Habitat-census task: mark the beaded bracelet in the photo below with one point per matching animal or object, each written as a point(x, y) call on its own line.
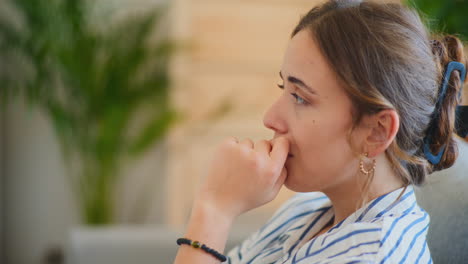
point(196, 244)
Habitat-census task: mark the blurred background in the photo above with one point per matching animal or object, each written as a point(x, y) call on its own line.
point(111, 109)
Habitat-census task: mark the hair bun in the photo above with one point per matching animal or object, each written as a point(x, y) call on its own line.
point(448, 49)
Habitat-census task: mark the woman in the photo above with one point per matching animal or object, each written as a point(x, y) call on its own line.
point(364, 116)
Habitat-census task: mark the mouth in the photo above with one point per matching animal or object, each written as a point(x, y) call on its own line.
point(290, 155)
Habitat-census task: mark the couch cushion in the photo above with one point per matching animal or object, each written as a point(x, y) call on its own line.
point(445, 198)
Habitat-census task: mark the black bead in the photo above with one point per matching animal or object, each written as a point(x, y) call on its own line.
point(203, 247)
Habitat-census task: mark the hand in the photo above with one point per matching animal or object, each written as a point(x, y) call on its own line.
point(244, 175)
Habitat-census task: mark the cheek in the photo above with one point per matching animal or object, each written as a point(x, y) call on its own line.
point(322, 154)
point(324, 147)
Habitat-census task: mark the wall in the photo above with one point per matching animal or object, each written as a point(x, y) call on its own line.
point(234, 54)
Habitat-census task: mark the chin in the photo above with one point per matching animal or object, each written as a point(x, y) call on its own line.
point(295, 186)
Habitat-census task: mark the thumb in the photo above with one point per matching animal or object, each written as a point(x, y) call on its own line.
point(281, 179)
point(279, 152)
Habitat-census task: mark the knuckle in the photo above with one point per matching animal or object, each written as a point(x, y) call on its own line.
point(230, 140)
point(271, 171)
point(245, 150)
point(262, 143)
point(247, 140)
point(254, 163)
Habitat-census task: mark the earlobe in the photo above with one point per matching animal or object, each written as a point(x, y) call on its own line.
point(382, 132)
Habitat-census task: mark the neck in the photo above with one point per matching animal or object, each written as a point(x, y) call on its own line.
point(347, 197)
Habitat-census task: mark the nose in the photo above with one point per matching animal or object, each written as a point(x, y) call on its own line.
point(274, 119)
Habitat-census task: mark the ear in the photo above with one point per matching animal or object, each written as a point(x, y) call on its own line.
point(381, 131)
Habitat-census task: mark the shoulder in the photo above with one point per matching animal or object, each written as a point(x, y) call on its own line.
point(299, 206)
point(288, 220)
point(358, 242)
point(404, 237)
point(398, 239)
point(394, 237)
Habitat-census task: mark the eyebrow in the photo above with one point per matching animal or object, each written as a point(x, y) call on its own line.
point(300, 83)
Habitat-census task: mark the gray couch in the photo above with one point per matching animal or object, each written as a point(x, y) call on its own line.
point(445, 198)
point(128, 245)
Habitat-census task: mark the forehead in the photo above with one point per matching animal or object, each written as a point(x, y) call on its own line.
point(303, 59)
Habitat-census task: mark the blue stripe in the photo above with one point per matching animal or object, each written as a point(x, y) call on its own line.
point(286, 260)
point(252, 259)
point(322, 209)
point(411, 208)
point(276, 250)
point(273, 241)
point(404, 197)
point(239, 251)
point(289, 207)
point(412, 243)
point(355, 246)
point(307, 231)
point(395, 222)
point(360, 255)
point(366, 253)
point(375, 202)
point(263, 252)
point(341, 239)
point(401, 237)
point(335, 227)
point(329, 232)
point(421, 253)
point(287, 222)
point(295, 228)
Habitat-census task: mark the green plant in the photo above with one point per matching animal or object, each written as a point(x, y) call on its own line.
point(92, 78)
point(447, 16)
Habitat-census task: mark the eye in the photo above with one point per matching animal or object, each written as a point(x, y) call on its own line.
point(299, 100)
point(281, 86)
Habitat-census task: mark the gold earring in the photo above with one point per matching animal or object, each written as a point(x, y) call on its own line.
point(361, 165)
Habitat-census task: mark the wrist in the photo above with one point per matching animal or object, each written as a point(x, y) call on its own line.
point(208, 226)
point(207, 210)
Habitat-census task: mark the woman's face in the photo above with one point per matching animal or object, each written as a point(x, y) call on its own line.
point(314, 114)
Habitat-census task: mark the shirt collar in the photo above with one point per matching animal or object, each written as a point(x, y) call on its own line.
point(383, 205)
point(397, 202)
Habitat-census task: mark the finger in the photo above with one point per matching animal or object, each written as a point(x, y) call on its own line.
point(247, 142)
point(281, 179)
point(232, 140)
point(263, 146)
point(279, 151)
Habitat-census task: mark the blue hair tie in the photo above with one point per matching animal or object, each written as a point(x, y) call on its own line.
point(451, 66)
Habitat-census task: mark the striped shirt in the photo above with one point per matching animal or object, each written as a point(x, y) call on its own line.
point(385, 230)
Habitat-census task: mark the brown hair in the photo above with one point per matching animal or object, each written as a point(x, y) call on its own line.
point(383, 55)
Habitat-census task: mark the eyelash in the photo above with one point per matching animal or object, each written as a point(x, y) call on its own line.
point(296, 97)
